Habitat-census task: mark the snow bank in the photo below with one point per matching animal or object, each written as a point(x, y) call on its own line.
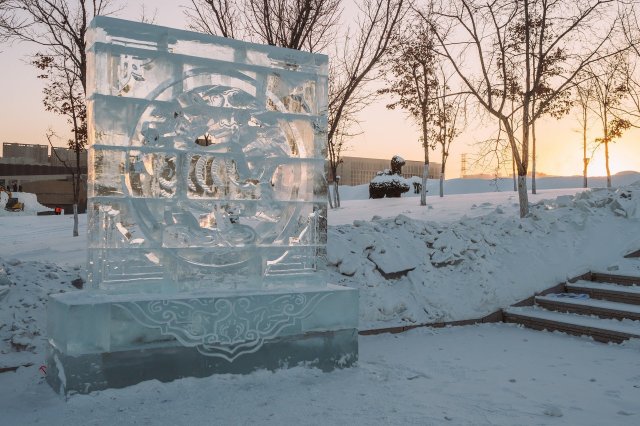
point(24, 289)
point(470, 258)
point(475, 186)
point(31, 204)
point(414, 271)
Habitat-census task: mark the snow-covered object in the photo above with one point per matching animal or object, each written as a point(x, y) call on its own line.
point(480, 186)
point(417, 271)
point(31, 204)
point(27, 285)
point(387, 185)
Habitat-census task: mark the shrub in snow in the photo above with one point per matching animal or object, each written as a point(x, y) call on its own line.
point(390, 186)
point(389, 183)
point(396, 165)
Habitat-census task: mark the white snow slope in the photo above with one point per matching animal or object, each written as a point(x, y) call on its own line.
point(31, 204)
point(463, 257)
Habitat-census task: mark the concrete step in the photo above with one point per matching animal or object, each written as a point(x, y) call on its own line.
point(601, 330)
point(607, 291)
point(605, 277)
point(588, 306)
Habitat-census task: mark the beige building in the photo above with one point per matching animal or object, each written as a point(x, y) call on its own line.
point(25, 153)
point(68, 156)
point(29, 168)
point(358, 170)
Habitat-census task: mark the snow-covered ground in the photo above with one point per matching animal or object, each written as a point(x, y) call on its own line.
point(460, 257)
point(480, 375)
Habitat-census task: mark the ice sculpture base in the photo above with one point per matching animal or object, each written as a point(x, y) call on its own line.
point(99, 340)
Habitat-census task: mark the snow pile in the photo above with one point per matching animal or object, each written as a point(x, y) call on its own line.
point(24, 289)
point(476, 186)
point(415, 271)
point(31, 204)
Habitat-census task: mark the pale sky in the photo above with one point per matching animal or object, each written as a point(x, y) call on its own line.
point(384, 132)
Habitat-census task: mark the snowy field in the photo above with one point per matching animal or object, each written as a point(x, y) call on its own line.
point(460, 257)
point(480, 375)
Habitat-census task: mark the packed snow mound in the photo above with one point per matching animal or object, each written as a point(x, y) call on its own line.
point(414, 271)
point(24, 290)
point(31, 204)
point(476, 186)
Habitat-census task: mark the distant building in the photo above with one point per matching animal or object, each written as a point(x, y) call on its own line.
point(68, 156)
point(358, 170)
point(29, 168)
point(22, 153)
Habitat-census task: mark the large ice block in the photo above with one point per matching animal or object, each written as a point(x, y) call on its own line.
point(206, 190)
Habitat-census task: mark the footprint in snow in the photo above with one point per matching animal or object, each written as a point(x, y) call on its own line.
point(553, 411)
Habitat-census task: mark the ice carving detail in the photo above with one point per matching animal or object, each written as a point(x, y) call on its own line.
point(224, 327)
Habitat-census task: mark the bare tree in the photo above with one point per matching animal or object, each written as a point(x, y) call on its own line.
point(353, 67)
point(584, 99)
point(572, 34)
point(311, 25)
point(609, 91)
point(58, 28)
point(295, 24)
point(412, 66)
point(450, 112)
point(63, 95)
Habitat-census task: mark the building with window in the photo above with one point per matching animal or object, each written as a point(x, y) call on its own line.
point(29, 168)
point(67, 156)
point(25, 153)
point(359, 170)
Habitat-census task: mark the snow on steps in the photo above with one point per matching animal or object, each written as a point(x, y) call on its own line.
point(606, 311)
point(607, 291)
point(602, 330)
point(600, 308)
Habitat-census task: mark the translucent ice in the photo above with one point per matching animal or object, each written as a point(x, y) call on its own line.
point(207, 161)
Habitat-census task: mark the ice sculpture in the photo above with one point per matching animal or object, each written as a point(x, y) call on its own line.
point(207, 214)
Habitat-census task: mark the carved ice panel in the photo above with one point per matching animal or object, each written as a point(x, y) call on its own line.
point(206, 161)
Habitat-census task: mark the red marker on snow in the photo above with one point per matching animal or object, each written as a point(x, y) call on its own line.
point(43, 370)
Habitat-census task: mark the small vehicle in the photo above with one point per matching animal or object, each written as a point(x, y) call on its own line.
point(13, 204)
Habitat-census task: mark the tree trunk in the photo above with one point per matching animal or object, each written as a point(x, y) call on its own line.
point(523, 197)
point(513, 173)
point(533, 157)
point(423, 192)
point(606, 147)
point(584, 151)
point(425, 169)
point(442, 167)
point(606, 159)
point(329, 198)
point(75, 220)
point(336, 194)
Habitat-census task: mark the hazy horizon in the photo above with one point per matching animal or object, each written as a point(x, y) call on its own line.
point(384, 132)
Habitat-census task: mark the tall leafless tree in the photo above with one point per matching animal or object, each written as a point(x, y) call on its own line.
point(354, 66)
point(295, 24)
point(584, 99)
point(609, 91)
point(412, 69)
point(449, 120)
point(58, 29)
point(312, 25)
point(581, 32)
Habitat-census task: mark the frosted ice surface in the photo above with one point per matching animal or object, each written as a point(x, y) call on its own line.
point(206, 161)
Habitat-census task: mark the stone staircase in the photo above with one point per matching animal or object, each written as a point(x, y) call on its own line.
point(603, 306)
